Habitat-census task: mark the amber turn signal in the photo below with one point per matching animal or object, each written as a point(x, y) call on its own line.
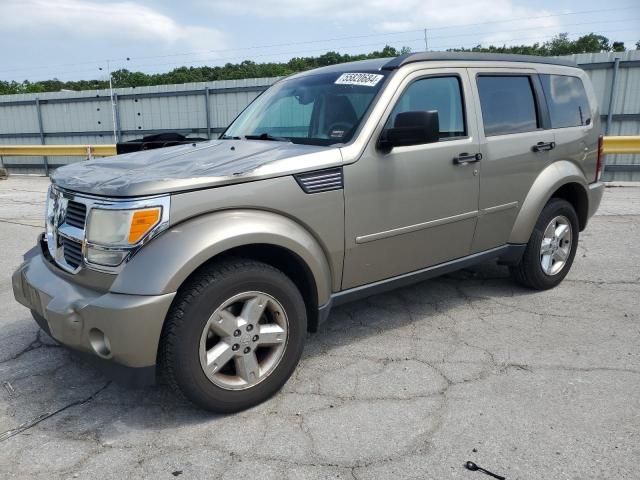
point(142, 222)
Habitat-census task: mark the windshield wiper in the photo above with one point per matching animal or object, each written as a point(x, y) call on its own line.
point(266, 136)
point(229, 137)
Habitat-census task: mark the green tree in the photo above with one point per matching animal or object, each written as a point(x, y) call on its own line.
point(559, 45)
point(617, 47)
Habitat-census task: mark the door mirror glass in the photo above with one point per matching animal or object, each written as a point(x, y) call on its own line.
point(411, 128)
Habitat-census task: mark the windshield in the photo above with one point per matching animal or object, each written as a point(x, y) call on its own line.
point(322, 109)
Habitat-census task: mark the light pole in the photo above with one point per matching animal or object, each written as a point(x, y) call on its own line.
point(113, 102)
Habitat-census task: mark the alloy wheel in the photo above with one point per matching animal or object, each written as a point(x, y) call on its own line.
point(555, 247)
point(244, 340)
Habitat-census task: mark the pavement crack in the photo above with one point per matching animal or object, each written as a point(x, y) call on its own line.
point(41, 418)
point(603, 282)
point(6, 220)
point(353, 473)
point(36, 344)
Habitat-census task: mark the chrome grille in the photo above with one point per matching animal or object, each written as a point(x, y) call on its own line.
point(76, 214)
point(321, 181)
point(72, 252)
point(65, 222)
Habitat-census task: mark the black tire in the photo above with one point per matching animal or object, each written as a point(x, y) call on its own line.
point(529, 272)
point(201, 295)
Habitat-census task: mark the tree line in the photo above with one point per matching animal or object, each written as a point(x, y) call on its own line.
point(558, 45)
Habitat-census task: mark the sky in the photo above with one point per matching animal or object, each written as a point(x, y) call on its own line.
point(74, 39)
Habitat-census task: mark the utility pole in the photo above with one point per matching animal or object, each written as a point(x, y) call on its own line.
point(426, 41)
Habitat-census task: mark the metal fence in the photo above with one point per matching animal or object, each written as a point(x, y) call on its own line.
point(86, 117)
point(204, 109)
point(616, 80)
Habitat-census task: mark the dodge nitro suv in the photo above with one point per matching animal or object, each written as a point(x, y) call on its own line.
point(208, 263)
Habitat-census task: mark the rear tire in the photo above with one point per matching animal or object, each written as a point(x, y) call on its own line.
point(551, 248)
point(234, 335)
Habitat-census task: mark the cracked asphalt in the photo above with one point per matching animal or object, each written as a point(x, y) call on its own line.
point(406, 385)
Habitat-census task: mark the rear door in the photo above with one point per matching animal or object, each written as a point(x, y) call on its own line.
point(516, 147)
point(574, 119)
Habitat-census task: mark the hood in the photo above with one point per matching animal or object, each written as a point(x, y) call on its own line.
point(187, 167)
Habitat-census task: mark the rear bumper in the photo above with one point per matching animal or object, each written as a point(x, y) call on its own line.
point(596, 190)
point(117, 332)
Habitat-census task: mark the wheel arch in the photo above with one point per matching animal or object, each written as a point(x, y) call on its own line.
point(561, 179)
point(577, 196)
point(169, 260)
point(288, 262)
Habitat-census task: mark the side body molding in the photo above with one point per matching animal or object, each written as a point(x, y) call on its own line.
point(550, 179)
point(168, 260)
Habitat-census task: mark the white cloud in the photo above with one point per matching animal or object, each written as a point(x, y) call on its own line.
point(394, 16)
point(307, 8)
point(84, 19)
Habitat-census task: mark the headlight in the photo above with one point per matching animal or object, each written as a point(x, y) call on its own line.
point(121, 227)
point(107, 258)
point(113, 231)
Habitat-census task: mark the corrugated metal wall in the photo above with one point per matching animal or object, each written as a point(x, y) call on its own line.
point(197, 109)
point(204, 109)
point(625, 100)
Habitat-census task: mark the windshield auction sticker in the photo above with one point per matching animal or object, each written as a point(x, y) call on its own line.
point(366, 79)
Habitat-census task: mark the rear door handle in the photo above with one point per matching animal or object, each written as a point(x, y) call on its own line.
point(465, 158)
point(543, 146)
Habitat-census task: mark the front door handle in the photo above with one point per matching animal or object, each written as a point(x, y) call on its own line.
point(543, 146)
point(465, 158)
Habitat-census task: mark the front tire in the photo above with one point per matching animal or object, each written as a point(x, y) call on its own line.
point(551, 248)
point(234, 335)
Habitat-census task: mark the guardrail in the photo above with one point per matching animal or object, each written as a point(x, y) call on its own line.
point(89, 151)
point(610, 145)
point(621, 144)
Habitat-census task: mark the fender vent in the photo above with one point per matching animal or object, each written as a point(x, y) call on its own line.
point(321, 180)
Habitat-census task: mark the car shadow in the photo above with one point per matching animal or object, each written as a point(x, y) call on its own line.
point(159, 407)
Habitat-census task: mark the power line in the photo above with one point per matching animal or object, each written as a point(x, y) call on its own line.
point(400, 42)
point(512, 20)
point(598, 22)
point(519, 39)
point(539, 17)
point(350, 37)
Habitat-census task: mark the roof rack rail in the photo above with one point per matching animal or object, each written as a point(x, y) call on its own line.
point(398, 62)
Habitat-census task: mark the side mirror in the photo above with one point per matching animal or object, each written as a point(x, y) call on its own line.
point(411, 128)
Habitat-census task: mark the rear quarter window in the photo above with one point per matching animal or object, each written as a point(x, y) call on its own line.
point(567, 101)
point(507, 104)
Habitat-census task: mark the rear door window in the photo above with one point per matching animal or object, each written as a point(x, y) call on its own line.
point(508, 104)
point(567, 101)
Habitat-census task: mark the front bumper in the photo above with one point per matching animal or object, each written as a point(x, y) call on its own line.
point(119, 332)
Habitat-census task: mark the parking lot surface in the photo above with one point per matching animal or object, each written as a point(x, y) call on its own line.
point(406, 385)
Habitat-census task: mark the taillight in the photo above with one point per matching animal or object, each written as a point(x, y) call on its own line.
point(600, 159)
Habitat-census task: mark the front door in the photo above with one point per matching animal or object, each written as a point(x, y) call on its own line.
point(415, 206)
